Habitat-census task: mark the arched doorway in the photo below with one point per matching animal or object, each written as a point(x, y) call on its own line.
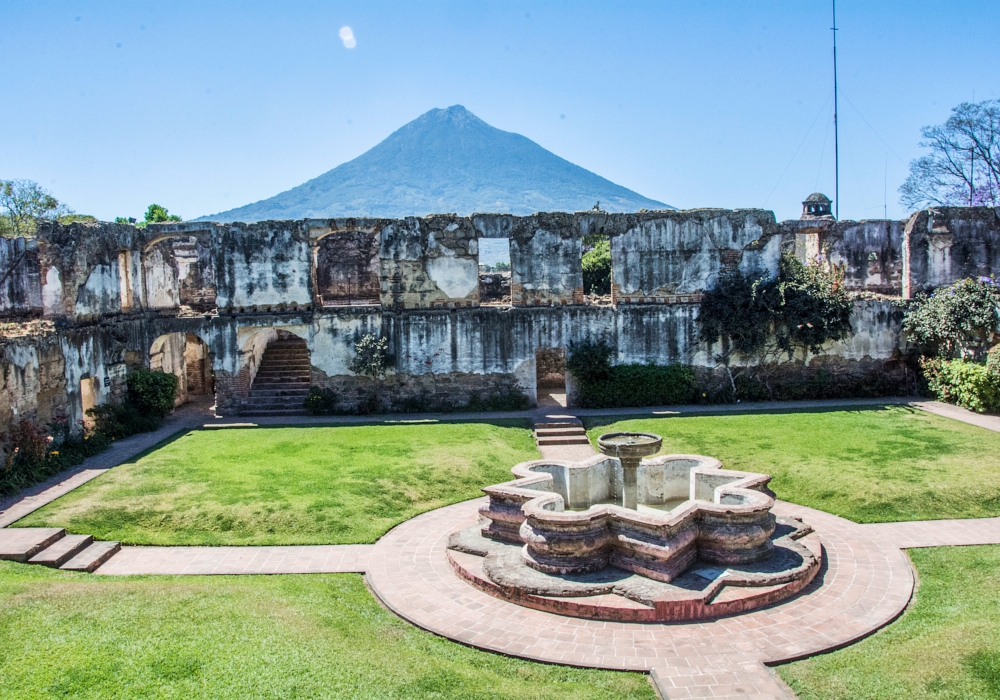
point(187, 357)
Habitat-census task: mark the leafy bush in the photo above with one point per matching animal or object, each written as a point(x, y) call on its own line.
point(590, 360)
point(972, 385)
point(321, 402)
point(506, 399)
point(152, 393)
point(762, 319)
point(956, 321)
point(639, 385)
point(34, 454)
point(371, 357)
point(115, 421)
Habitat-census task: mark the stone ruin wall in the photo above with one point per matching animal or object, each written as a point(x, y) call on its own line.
point(90, 301)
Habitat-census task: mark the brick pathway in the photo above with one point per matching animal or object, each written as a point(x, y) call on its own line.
point(866, 584)
point(937, 533)
point(318, 559)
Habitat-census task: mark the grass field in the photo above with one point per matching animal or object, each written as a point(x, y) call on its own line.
point(869, 466)
point(946, 647)
point(322, 636)
point(318, 485)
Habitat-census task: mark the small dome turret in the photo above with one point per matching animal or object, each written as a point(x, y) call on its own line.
point(817, 206)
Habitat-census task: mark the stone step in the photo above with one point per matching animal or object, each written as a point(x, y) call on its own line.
point(22, 543)
point(280, 386)
point(581, 440)
point(557, 432)
point(264, 392)
point(92, 557)
point(545, 425)
point(62, 551)
point(273, 412)
point(292, 402)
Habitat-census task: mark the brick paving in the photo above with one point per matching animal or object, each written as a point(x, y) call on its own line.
point(304, 559)
point(867, 582)
point(937, 533)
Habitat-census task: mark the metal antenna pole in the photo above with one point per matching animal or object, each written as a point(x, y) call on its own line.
point(836, 131)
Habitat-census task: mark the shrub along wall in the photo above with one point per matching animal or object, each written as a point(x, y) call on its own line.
point(37, 452)
point(971, 385)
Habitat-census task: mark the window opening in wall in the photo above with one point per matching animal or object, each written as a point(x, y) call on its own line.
point(494, 271)
point(125, 278)
point(550, 377)
point(179, 273)
point(89, 393)
point(347, 269)
point(596, 263)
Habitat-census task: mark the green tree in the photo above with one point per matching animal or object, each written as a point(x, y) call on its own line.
point(597, 265)
point(963, 166)
point(23, 203)
point(156, 214)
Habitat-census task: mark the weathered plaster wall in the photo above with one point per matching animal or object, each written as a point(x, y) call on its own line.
point(20, 277)
point(262, 266)
point(947, 244)
point(665, 257)
point(429, 263)
point(868, 253)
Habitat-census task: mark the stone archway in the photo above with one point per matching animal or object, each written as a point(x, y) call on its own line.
point(187, 357)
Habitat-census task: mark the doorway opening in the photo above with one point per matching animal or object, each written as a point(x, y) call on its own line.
point(550, 377)
point(89, 394)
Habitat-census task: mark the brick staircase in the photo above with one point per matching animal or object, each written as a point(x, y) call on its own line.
point(51, 546)
point(568, 431)
point(282, 381)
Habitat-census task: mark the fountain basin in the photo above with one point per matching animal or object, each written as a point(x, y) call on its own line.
point(565, 515)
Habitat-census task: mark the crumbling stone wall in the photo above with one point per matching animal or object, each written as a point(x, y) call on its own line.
point(430, 263)
point(868, 253)
point(102, 284)
point(946, 244)
point(671, 257)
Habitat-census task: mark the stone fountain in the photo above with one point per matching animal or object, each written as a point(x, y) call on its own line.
point(664, 534)
point(629, 448)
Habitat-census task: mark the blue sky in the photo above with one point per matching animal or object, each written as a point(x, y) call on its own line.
point(204, 106)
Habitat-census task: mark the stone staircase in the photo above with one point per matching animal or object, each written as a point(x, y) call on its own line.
point(282, 382)
point(568, 431)
point(51, 546)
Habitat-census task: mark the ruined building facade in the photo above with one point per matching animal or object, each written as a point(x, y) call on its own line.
point(85, 303)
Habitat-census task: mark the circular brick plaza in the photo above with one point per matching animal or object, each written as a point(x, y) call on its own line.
point(865, 583)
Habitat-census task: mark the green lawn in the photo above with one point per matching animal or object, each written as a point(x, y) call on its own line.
point(320, 485)
point(867, 465)
point(946, 647)
point(322, 636)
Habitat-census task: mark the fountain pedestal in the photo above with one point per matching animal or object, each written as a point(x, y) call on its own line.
point(629, 448)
